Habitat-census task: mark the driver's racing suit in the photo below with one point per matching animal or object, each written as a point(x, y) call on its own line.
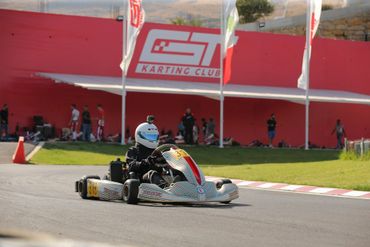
point(140, 161)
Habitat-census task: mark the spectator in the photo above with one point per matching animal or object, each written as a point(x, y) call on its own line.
point(4, 117)
point(101, 123)
point(86, 123)
point(340, 132)
point(210, 128)
point(179, 139)
point(128, 136)
point(271, 129)
point(188, 122)
point(74, 121)
point(204, 127)
point(195, 132)
point(181, 129)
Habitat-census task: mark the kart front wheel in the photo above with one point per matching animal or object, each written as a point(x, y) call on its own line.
point(131, 191)
point(81, 185)
point(221, 182)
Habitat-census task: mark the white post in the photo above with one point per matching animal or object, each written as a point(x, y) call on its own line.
point(222, 48)
point(124, 44)
point(308, 49)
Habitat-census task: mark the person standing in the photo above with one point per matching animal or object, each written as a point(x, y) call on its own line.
point(188, 122)
point(86, 123)
point(210, 128)
point(204, 128)
point(101, 123)
point(4, 120)
point(271, 129)
point(75, 115)
point(340, 132)
point(195, 133)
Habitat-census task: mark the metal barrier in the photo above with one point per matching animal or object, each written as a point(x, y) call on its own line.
point(360, 147)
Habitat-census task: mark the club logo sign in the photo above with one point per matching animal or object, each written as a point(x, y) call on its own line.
point(179, 53)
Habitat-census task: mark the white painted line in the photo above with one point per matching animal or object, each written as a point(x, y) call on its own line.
point(321, 190)
point(308, 193)
point(245, 183)
point(315, 191)
point(355, 193)
point(35, 150)
point(212, 178)
point(292, 187)
point(267, 185)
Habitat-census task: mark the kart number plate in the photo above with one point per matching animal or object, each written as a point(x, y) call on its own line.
point(92, 189)
point(180, 154)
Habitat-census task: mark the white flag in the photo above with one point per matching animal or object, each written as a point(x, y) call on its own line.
point(231, 20)
point(314, 12)
point(135, 21)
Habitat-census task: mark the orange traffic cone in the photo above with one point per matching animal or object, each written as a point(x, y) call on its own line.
point(19, 156)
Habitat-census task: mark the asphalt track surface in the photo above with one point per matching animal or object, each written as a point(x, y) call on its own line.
point(42, 199)
point(8, 148)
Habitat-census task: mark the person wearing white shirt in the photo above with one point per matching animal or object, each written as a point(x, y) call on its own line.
point(74, 121)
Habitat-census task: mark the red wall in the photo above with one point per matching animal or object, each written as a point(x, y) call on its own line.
point(33, 42)
point(275, 60)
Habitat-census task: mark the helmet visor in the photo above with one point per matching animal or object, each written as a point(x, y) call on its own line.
point(149, 136)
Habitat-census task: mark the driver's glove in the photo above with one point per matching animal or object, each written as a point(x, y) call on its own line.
point(160, 160)
point(151, 160)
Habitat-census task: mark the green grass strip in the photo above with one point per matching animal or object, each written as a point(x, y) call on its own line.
point(294, 166)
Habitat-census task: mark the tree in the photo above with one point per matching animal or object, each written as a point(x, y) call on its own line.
point(252, 10)
point(195, 22)
point(178, 21)
point(326, 7)
point(190, 22)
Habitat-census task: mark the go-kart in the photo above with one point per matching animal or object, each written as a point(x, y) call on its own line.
point(185, 183)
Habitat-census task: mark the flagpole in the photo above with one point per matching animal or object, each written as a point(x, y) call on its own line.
point(222, 48)
point(124, 44)
point(308, 49)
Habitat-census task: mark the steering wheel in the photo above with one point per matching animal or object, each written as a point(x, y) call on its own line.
point(163, 148)
point(157, 153)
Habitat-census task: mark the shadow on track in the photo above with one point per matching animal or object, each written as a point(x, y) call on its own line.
point(197, 205)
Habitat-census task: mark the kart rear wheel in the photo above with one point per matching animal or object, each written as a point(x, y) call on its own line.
point(131, 191)
point(82, 185)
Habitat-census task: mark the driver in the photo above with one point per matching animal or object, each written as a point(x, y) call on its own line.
point(139, 158)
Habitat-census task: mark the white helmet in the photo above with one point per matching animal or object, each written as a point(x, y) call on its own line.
point(147, 135)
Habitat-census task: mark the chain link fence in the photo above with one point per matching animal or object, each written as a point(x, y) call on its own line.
point(360, 147)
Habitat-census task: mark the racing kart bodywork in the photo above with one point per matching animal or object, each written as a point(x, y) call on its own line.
point(192, 186)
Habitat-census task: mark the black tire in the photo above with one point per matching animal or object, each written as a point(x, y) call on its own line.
point(82, 185)
point(131, 191)
point(227, 181)
point(116, 171)
point(221, 182)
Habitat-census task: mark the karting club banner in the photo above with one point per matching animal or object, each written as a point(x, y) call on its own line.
point(178, 53)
